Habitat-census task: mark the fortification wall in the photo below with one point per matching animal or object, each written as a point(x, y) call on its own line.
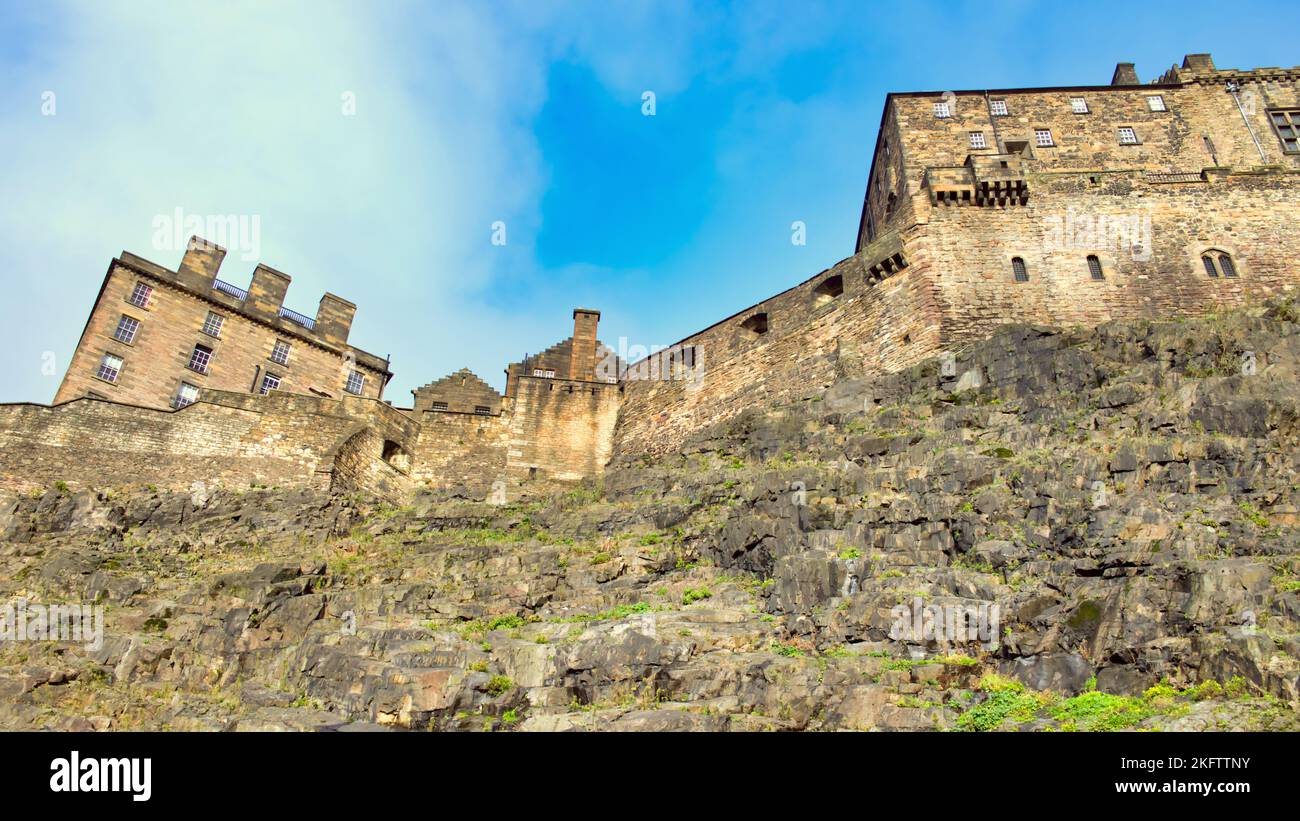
point(461, 450)
point(226, 439)
point(561, 429)
point(869, 329)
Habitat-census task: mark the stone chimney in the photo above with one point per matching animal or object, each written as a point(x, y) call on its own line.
point(1125, 75)
point(200, 264)
point(582, 352)
point(334, 318)
point(1198, 62)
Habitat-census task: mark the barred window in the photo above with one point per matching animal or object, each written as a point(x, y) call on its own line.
point(1156, 103)
point(977, 140)
point(212, 325)
point(126, 329)
point(1094, 267)
point(1128, 136)
point(942, 110)
point(356, 382)
point(141, 295)
point(280, 352)
point(270, 382)
point(1287, 126)
point(1225, 264)
point(439, 406)
point(109, 368)
point(1210, 270)
point(187, 395)
point(1018, 269)
point(998, 107)
point(1078, 105)
point(482, 410)
point(200, 359)
point(1043, 137)
point(545, 374)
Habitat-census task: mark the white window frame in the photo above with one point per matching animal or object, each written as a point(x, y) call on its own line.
point(134, 329)
point(360, 380)
point(1043, 138)
point(200, 353)
point(977, 140)
point(1156, 102)
point(141, 295)
point(280, 345)
point(212, 324)
point(270, 382)
point(1079, 105)
point(108, 372)
point(1128, 136)
point(184, 397)
point(942, 110)
point(999, 108)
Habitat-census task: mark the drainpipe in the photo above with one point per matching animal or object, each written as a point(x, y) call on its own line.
point(1233, 88)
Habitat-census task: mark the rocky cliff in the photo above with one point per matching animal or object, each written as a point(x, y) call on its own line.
point(1112, 513)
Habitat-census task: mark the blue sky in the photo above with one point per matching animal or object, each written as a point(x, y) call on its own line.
point(528, 114)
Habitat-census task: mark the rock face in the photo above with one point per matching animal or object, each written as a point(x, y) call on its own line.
point(1076, 530)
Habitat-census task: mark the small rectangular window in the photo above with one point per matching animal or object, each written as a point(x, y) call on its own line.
point(1128, 136)
point(187, 395)
point(439, 406)
point(1156, 103)
point(356, 382)
point(1043, 138)
point(1287, 126)
point(482, 410)
point(212, 325)
point(942, 110)
point(1094, 268)
point(1078, 105)
point(109, 368)
point(998, 107)
point(977, 140)
point(1018, 270)
point(544, 374)
point(140, 295)
point(126, 328)
point(280, 352)
point(200, 358)
point(270, 382)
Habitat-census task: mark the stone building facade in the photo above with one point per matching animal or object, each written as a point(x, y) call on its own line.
point(1059, 206)
point(159, 338)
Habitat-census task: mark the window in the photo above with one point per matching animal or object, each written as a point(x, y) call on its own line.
point(942, 110)
point(482, 410)
point(200, 359)
point(270, 382)
point(1094, 267)
point(1043, 137)
point(977, 140)
point(1208, 262)
point(126, 328)
point(1156, 103)
point(756, 324)
point(1287, 126)
point(1225, 264)
point(141, 295)
point(439, 406)
point(212, 325)
point(187, 395)
point(1128, 136)
point(544, 374)
point(826, 290)
point(356, 382)
point(1078, 105)
point(889, 205)
point(1018, 270)
point(998, 107)
point(280, 352)
point(109, 368)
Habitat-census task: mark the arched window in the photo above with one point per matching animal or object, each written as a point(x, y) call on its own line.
point(756, 324)
point(828, 289)
point(1018, 269)
point(1218, 263)
point(1225, 265)
point(1094, 267)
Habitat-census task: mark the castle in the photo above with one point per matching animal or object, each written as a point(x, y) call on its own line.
point(1061, 206)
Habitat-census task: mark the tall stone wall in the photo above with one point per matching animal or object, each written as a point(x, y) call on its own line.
point(560, 428)
point(461, 450)
point(226, 439)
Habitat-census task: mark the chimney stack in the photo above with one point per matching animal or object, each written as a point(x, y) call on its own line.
point(1125, 75)
point(582, 352)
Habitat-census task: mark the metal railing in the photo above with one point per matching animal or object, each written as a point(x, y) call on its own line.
point(293, 316)
point(226, 288)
